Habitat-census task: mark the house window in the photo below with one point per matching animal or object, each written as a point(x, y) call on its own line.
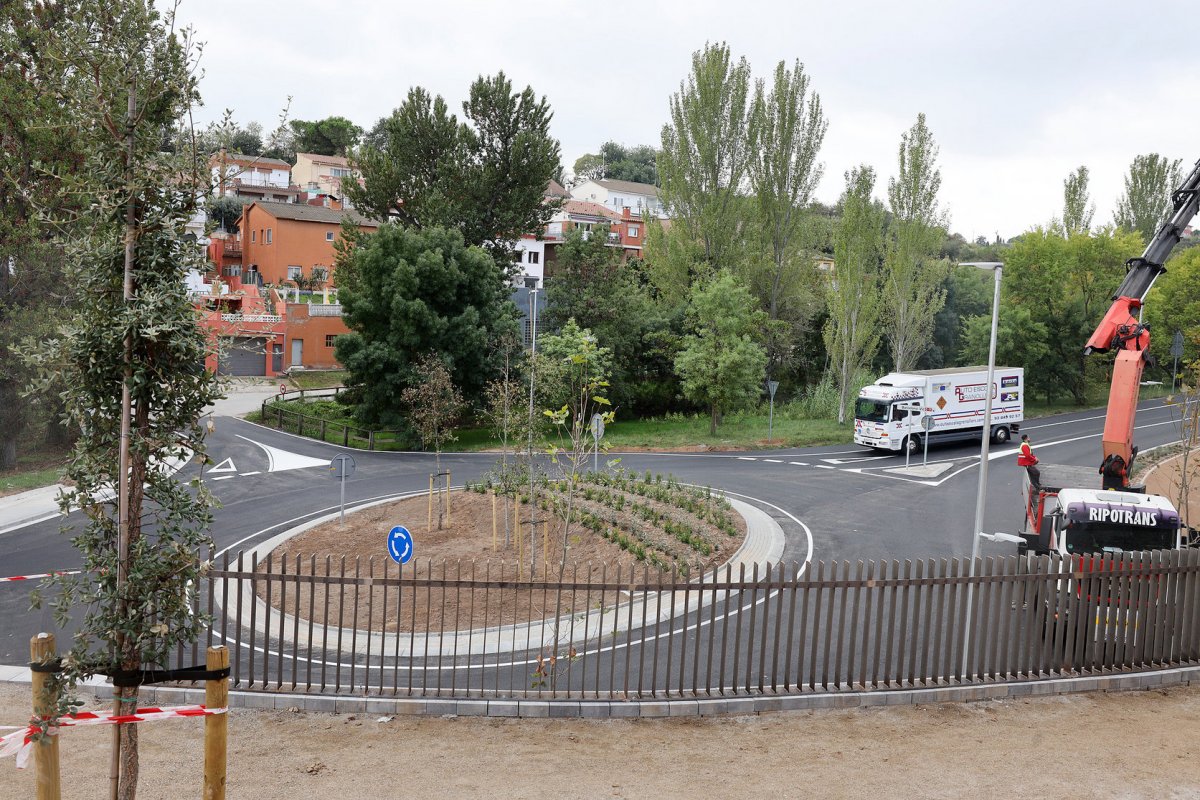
point(533, 257)
point(339, 172)
point(633, 231)
point(268, 239)
point(518, 256)
point(320, 274)
point(329, 236)
point(253, 236)
point(294, 272)
point(330, 339)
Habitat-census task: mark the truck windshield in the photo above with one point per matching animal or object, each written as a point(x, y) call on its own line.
point(1102, 537)
point(871, 410)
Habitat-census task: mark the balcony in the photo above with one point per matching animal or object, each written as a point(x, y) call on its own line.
point(323, 310)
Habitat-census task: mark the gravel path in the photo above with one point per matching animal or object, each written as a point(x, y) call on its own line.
point(1121, 745)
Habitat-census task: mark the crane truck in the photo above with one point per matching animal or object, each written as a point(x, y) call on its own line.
point(1085, 510)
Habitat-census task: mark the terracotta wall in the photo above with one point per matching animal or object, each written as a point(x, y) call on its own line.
point(293, 243)
point(313, 332)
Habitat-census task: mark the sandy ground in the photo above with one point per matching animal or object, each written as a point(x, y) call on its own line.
point(1165, 479)
point(1122, 745)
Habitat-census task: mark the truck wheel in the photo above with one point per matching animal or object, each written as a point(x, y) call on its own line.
point(913, 444)
point(999, 435)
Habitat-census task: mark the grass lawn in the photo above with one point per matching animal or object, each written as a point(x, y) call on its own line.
point(35, 469)
point(319, 379)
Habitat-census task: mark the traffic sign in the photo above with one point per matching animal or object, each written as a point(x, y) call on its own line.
point(400, 544)
point(597, 426)
point(1177, 345)
point(342, 466)
point(771, 387)
point(927, 422)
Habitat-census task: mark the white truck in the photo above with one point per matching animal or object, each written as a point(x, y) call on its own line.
point(900, 409)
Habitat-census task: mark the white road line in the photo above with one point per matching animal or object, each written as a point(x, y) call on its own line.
point(799, 463)
point(746, 458)
point(223, 478)
point(772, 460)
point(823, 466)
point(256, 472)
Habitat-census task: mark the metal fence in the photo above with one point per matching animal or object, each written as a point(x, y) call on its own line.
point(486, 630)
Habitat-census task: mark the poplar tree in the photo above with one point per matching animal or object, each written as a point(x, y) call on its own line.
point(1148, 186)
point(133, 353)
point(852, 334)
point(705, 151)
point(787, 128)
point(912, 275)
point(1078, 209)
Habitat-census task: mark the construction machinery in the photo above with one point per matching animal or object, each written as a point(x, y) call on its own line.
point(1078, 510)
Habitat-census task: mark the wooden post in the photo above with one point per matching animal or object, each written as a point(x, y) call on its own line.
point(495, 527)
point(429, 521)
point(45, 752)
point(216, 727)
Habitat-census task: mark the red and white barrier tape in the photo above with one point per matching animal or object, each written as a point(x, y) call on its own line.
point(12, 578)
point(21, 740)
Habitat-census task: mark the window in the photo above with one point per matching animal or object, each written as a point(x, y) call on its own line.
point(320, 274)
point(329, 236)
point(633, 231)
point(268, 239)
point(330, 339)
point(295, 272)
point(533, 258)
point(253, 236)
point(518, 256)
point(339, 172)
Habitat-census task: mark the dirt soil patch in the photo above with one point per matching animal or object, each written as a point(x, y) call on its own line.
point(473, 545)
point(1166, 479)
point(1138, 745)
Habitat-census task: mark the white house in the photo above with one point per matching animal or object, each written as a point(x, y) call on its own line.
point(639, 198)
point(530, 257)
point(254, 177)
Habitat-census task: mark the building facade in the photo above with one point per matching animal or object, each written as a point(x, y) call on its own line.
point(642, 199)
point(323, 174)
point(286, 242)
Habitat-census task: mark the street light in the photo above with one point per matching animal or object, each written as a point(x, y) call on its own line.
point(531, 284)
point(997, 268)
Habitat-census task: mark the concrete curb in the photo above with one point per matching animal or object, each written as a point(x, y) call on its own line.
point(651, 707)
point(764, 543)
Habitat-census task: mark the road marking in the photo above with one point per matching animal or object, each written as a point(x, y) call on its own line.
point(224, 466)
point(224, 477)
point(772, 460)
point(799, 463)
point(746, 458)
point(282, 460)
point(247, 474)
point(854, 460)
point(825, 466)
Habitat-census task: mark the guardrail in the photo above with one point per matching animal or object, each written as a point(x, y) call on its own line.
point(286, 419)
point(325, 624)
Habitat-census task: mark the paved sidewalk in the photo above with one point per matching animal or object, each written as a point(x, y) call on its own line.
point(26, 508)
point(243, 395)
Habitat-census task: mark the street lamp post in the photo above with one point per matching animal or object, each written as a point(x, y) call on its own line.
point(997, 269)
point(531, 283)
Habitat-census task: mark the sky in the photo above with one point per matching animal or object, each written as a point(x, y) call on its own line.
point(1016, 94)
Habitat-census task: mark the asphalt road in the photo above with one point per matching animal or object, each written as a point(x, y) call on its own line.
point(845, 497)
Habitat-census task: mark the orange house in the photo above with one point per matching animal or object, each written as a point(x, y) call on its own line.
point(286, 241)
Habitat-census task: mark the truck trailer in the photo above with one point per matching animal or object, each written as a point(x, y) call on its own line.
point(900, 409)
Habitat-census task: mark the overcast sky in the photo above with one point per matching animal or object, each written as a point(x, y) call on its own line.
point(1017, 94)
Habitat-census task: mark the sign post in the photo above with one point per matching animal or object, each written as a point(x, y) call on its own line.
point(342, 467)
point(927, 426)
point(597, 434)
point(911, 406)
point(771, 387)
point(400, 544)
point(1176, 351)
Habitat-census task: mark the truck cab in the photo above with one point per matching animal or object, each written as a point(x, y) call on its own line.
point(1062, 518)
point(886, 417)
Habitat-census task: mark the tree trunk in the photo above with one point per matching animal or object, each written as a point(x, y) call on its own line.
point(712, 425)
point(8, 452)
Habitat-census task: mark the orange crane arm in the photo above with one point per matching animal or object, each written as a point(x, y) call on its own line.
point(1121, 330)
